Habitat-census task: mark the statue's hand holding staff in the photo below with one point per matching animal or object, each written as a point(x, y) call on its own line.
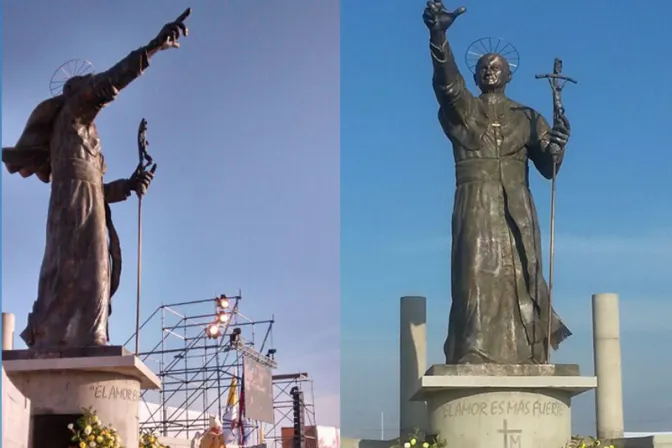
point(140, 180)
point(170, 34)
point(559, 135)
point(437, 18)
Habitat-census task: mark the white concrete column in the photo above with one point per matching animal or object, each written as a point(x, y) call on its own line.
point(8, 327)
point(413, 363)
point(607, 358)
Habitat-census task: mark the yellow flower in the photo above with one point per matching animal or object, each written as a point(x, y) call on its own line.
point(99, 439)
point(413, 441)
point(87, 430)
point(82, 444)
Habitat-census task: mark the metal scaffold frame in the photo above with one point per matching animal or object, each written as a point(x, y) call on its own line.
point(197, 370)
point(283, 405)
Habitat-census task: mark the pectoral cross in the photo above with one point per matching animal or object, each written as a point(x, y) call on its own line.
point(511, 436)
point(497, 130)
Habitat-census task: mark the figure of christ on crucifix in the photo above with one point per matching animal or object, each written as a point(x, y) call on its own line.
point(500, 300)
point(81, 267)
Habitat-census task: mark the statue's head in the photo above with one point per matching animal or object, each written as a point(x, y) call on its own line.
point(75, 84)
point(492, 73)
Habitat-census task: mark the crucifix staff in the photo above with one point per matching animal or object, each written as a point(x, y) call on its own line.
point(557, 82)
point(145, 160)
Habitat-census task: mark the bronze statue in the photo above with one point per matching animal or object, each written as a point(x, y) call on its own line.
point(81, 270)
point(500, 305)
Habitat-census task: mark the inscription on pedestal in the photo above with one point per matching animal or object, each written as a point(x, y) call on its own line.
point(106, 392)
point(511, 436)
point(537, 408)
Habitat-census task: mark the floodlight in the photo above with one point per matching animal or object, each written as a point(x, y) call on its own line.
point(212, 331)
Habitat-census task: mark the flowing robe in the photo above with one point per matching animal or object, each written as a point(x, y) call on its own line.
point(499, 296)
point(213, 439)
point(60, 144)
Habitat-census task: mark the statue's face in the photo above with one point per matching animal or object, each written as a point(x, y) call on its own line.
point(75, 84)
point(492, 73)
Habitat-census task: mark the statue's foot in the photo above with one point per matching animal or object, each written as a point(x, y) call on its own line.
point(100, 342)
point(472, 358)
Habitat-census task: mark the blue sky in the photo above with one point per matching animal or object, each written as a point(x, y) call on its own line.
point(614, 202)
point(244, 124)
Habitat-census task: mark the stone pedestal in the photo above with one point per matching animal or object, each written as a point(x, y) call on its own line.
point(61, 383)
point(15, 415)
point(510, 406)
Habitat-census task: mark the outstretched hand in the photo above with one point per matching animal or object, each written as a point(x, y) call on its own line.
point(170, 34)
point(437, 18)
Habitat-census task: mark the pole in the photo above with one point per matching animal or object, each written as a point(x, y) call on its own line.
point(551, 253)
point(412, 363)
point(608, 366)
point(144, 161)
point(8, 327)
point(557, 81)
point(139, 273)
point(382, 426)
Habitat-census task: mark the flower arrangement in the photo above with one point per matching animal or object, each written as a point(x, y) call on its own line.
point(588, 442)
point(150, 440)
point(88, 432)
point(418, 439)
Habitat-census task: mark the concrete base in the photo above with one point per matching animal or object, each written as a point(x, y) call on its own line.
point(107, 379)
point(15, 415)
point(510, 406)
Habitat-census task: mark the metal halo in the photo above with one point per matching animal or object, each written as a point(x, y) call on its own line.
point(496, 45)
point(67, 70)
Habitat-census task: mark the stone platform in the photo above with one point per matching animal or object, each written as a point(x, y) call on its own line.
point(510, 406)
point(15, 415)
point(60, 384)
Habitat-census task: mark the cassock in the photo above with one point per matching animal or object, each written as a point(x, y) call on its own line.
point(500, 299)
point(82, 260)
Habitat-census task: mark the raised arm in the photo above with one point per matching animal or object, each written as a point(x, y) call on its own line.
point(449, 86)
point(106, 85)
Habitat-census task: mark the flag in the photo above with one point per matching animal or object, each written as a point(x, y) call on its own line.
point(241, 412)
point(230, 430)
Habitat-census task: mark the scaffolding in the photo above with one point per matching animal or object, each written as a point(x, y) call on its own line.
point(283, 406)
point(197, 369)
